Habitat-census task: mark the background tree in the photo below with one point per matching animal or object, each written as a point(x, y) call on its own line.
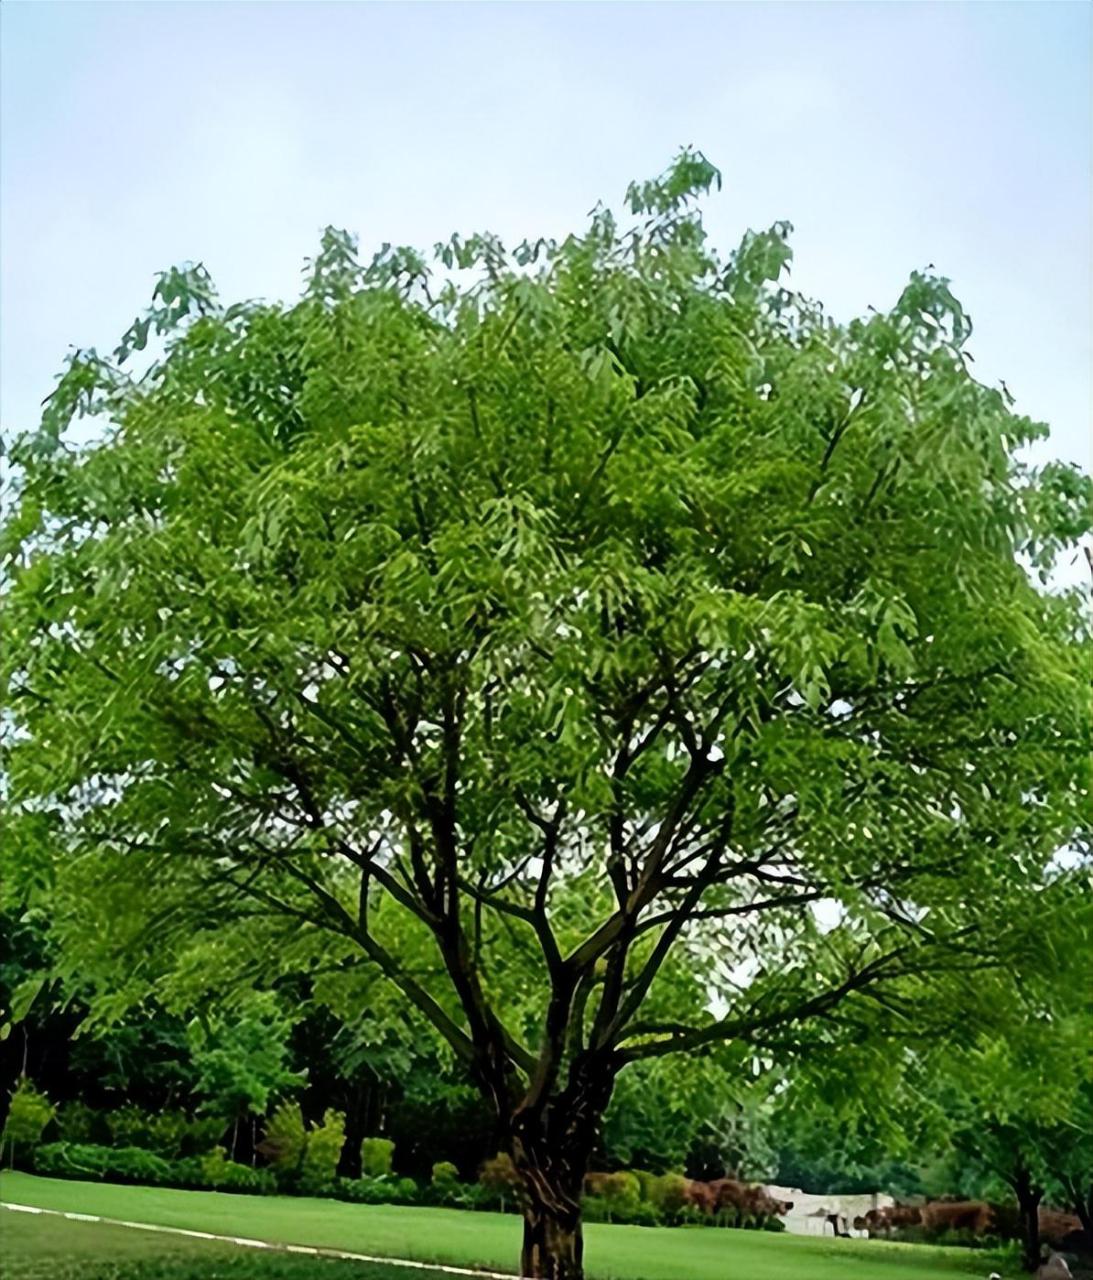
point(995, 1109)
point(547, 638)
point(1017, 1101)
point(240, 1063)
point(28, 1114)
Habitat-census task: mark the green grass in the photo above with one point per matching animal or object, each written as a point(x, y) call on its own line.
point(492, 1240)
point(41, 1248)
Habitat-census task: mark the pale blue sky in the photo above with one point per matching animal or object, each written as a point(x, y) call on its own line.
point(892, 135)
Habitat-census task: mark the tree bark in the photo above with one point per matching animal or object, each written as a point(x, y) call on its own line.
point(1081, 1199)
point(553, 1246)
point(349, 1159)
point(1028, 1204)
point(550, 1146)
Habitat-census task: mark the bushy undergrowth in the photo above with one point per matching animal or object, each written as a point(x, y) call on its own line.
point(212, 1171)
point(637, 1201)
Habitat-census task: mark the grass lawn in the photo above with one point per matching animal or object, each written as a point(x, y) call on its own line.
point(486, 1239)
point(46, 1248)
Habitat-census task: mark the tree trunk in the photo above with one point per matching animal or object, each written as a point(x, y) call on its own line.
point(550, 1146)
point(553, 1244)
point(1028, 1205)
point(1081, 1201)
point(356, 1129)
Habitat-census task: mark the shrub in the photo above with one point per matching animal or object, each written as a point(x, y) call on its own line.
point(115, 1164)
point(692, 1216)
point(445, 1174)
point(642, 1214)
point(77, 1122)
point(407, 1189)
point(200, 1135)
point(646, 1181)
point(472, 1195)
point(129, 1127)
point(174, 1134)
point(303, 1158)
point(169, 1133)
point(222, 1174)
point(499, 1176)
point(364, 1190)
point(377, 1155)
point(321, 1152)
point(617, 1197)
point(285, 1138)
point(593, 1209)
point(71, 1159)
point(136, 1165)
point(668, 1195)
point(377, 1190)
point(29, 1113)
point(620, 1193)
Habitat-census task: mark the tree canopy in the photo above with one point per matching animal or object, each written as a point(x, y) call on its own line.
point(590, 651)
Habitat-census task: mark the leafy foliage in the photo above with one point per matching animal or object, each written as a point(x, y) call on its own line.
point(170, 1133)
point(324, 1145)
point(376, 1156)
point(538, 649)
point(28, 1115)
point(285, 1138)
point(240, 1061)
point(444, 1173)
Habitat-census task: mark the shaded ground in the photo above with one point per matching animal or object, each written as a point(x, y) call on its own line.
point(448, 1236)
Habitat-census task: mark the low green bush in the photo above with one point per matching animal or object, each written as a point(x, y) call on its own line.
point(171, 1134)
point(222, 1174)
point(388, 1190)
point(213, 1171)
point(285, 1139)
point(643, 1214)
point(473, 1195)
point(635, 1213)
point(71, 1159)
point(324, 1146)
point(499, 1179)
point(77, 1122)
point(614, 1197)
point(668, 1194)
point(112, 1164)
point(377, 1156)
point(134, 1164)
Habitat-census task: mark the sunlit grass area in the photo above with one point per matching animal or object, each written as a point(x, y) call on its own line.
point(429, 1235)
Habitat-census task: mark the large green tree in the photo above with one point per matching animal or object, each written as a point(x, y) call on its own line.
point(593, 649)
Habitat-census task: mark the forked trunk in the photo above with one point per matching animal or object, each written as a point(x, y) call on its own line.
point(553, 1245)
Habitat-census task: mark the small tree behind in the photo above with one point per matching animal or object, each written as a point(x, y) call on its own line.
point(28, 1114)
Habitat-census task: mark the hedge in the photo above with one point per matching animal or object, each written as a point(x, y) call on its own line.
point(614, 1197)
point(211, 1172)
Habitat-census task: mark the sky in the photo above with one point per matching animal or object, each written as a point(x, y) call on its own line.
point(138, 135)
